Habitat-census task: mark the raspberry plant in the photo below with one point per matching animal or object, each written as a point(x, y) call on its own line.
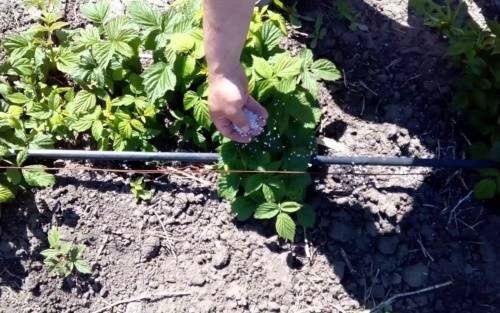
point(139, 82)
point(475, 51)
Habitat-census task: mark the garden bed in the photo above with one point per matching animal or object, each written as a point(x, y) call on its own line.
point(375, 236)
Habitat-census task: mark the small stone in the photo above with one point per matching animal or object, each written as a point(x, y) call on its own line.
point(388, 245)
point(221, 258)
point(31, 283)
point(197, 279)
point(104, 292)
point(415, 275)
point(150, 248)
point(273, 306)
point(134, 307)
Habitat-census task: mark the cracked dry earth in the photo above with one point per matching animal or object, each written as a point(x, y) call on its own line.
point(376, 235)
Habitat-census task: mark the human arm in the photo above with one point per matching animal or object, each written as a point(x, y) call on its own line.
point(225, 26)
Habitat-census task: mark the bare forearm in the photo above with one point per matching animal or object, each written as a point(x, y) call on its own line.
point(226, 26)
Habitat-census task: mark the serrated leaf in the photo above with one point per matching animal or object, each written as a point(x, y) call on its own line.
point(270, 35)
point(13, 42)
point(96, 12)
point(181, 42)
point(49, 254)
point(13, 176)
point(285, 66)
point(290, 206)
point(268, 193)
point(158, 79)
point(485, 189)
point(83, 102)
point(201, 114)
point(21, 156)
point(17, 98)
point(82, 267)
point(53, 237)
point(36, 176)
point(228, 186)
point(97, 129)
point(253, 183)
point(123, 48)
point(138, 125)
point(266, 210)
point(5, 194)
point(309, 82)
point(82, 124)
point(125, 100)
point(144, 14)
point(262, 68)
point(190, 99)
point(326, 70)
point(285, 226)
point(243, 208)
point(306, 216)
point(103, 53)
point(125, 129)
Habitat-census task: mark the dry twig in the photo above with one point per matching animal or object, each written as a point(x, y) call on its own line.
point(407, 294)
point(156, 296)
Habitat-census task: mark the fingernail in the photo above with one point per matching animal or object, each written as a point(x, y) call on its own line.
point(245, 129)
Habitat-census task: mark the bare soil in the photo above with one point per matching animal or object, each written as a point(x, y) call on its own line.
point(377, 235)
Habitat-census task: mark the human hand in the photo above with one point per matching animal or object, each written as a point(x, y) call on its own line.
point(227, 99)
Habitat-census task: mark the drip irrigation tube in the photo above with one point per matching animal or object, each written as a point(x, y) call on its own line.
point(196, 157)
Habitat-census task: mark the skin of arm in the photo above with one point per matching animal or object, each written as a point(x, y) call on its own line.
point(225, 25)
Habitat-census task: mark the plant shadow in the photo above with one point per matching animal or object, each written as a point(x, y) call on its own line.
point(382, 234)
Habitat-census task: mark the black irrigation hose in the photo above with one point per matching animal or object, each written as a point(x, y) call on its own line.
point(197, 157)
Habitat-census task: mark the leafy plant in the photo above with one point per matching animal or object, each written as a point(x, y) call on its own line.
point(139, 190)
point(63, 257)
point(475, 51)
point(346, 11)
point(139, 82)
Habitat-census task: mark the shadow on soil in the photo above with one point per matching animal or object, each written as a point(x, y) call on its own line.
point(399, 74)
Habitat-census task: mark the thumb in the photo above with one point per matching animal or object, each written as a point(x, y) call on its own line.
point(240, 120)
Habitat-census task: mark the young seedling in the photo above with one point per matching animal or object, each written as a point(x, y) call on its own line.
point(346, 11)
point(139, 190)
point(64, 257)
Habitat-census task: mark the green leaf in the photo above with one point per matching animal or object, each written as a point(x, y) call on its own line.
point(290, 206)
point(5, 194)
point(53, 236)
point(158, 79)
point(201, 114)
point(96, 12)
point(266, 211)
point(36, 176)
point(485, 189)
point(83, 102)
point(253, 183)
point(243, 208)
point(97, 129)
point(125, 100)
point(310, 83)
point(13, 176)
point(82, 124)
point(190, 99)
point(270, 35)
point(67, 61)
point(123, 48)
point(228, 186)
point(285, 66)
point(16, 42)
point(285, 226)
point(144, 14)
point(268, 193)
point(262, 68)
point(17, 98)
point(50, 254)
point(326, 70)
point(306, 216)
point(138, 125)
point(125, 129)
point(103, 53)
point(302, 113)
point(83, 267)
point(181, 42)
